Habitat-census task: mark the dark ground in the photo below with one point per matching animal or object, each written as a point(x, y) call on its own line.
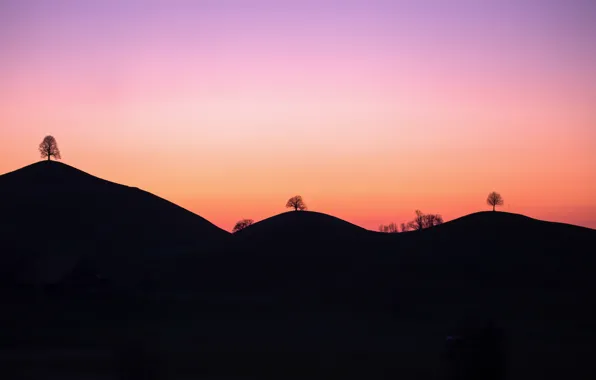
point(53, 335)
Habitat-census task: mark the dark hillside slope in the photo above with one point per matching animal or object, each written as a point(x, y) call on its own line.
point(479, 258)
point(298, 253)
point(394, 296)
point(495, 250)
point(52, 216)
point(301, 228)
point(314, 253)
point(498, 241)
point(535, 278)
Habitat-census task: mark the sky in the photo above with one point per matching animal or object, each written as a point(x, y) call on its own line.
point(368, 109)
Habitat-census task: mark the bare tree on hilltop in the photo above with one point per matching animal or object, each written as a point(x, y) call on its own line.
point(422, 221)
point(431, 220)
point(418, 222)
point(494, 199)
point(242, 224)
point(390, 228)
point(296, 203)
point(49, 148)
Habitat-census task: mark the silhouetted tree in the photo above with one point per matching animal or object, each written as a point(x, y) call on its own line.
point(494, 199)
point(49, 148)
point(418, 222)
point(296, 203)
point(403, 227)
point(388, 228)
point(242, 224)
point(431, 220)
point(422, 221)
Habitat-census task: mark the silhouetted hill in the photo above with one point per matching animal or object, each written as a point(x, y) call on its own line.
point(498, 240)
point(48, 173)
point(489, 259)
point(53, 217)
point(301, 227)
point(488, 236)
point(494, 263)
point(505, 221)
point(293, 252)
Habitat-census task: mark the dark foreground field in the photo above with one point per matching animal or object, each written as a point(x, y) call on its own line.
point(226, 337)
point(187, 342)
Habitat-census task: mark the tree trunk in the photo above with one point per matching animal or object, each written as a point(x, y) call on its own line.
point(494, 208)
point(49, 157)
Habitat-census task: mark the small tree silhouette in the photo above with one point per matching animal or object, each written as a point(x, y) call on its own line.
point(431, 220)
point(403, 227)
point(422, 221)
point(242, 224)
point(494, 199)
point(49, 148)
point(390, 228)
point(419, 221)
point(296, 203)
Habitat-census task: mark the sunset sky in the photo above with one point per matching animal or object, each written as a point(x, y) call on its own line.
point(368, 109)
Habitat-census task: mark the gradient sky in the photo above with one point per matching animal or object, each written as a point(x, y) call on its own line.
point(368, 109)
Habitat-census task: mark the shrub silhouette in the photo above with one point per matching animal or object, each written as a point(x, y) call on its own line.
point(242, 224)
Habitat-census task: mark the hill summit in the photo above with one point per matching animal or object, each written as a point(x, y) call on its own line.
point(299, 226)
point(53, 215)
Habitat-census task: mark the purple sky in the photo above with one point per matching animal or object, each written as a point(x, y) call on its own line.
point(367, 101)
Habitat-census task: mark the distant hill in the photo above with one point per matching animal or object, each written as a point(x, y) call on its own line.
point(496, 236)
point(498, 241)
point(508, 221)
point(313, 253)
point(54, 217)
point(301, 227)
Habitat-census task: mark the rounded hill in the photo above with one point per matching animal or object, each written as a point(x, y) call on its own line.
point(53, 215)
point(505, 224)
point(300, 227)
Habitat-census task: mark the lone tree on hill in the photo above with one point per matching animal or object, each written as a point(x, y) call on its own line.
point(297, 203)
point(494, 199)
point(242, 224)
point(49, 148)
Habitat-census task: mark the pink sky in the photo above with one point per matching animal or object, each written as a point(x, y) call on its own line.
point(368, 109)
